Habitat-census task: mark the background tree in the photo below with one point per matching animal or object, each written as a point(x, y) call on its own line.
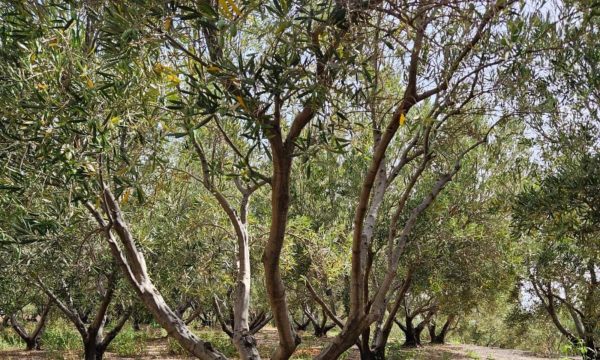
point(559, 215)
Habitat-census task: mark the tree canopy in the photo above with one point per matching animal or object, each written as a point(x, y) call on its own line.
point(352, 165)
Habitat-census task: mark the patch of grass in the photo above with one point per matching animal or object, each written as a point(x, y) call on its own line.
point(472, 355)
point(129, 343)
point(395, 351)
point(60, 355)
point(217, 338)
point(61, 336)
point(9, 340)
point(302, 354)
point(174, 348)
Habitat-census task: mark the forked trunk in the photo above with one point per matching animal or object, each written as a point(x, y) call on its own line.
point(320, 326)
point(377, 353)
point(33, 339)
point(338, 345)
point(32, 342)
point(302, 325)
point(411, 336)
point(440, 338)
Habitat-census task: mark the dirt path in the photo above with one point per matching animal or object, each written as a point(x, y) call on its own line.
point(467, 351)
point(267, 339)
point(440, 352)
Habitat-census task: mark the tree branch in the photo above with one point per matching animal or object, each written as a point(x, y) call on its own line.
point(326, 308)
point(224, 326)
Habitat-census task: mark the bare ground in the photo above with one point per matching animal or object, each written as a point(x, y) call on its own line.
point(467, 351)
point(157, 349)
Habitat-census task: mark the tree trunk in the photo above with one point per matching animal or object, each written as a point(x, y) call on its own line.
point(380, 340)
point(280, 202)
point(302, 324)
point(418, 332)
point(93, 350)
point(411, 337)
point(412, 334)
point(372, 354)
point(32, 344)
point(384, 328)
point(89, 353)
point(260, 322)
point(133, 264)
point(367, 354)
point(354, 326)
point(320, 326)
point(344, 341)
point(432, 334)
point(321, 331)
point(182, 308)
point(33, 340)
point(365, 348)
point(441, 337)
point(592, 352)
point(243, 339)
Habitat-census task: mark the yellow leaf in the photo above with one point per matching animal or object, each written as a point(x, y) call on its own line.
point(234, 7)
point(225, 7)
point(173, 79)
point(90, 83)
point(126, 195)
point(213, 69)
point(158, 68)
point(53, 42)
point(242, 102)
point(115, 120)
point(168, 23)
point(41, 86)
point(402, 119)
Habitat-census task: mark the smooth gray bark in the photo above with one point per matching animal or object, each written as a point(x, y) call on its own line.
point(133, 265)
